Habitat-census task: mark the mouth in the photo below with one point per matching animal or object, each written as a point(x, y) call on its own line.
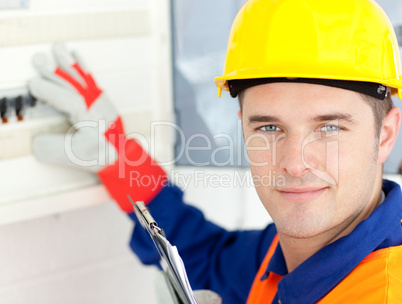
point(301, 194)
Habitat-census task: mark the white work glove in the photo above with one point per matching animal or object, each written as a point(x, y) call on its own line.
point(96, 142)
point(71, 90)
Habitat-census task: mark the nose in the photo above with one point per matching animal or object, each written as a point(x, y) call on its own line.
point(295, 157)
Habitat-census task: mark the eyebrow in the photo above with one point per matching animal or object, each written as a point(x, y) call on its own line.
point(319, 118)
point(262, 118)
point(335, 116)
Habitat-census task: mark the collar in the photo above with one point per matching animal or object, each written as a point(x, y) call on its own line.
point(382, 197)
point(319, 274)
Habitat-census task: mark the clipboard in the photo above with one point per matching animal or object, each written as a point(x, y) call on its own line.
point(171, 262)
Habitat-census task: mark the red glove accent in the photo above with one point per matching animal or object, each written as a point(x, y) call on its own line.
point(90, 92)
point(134, 173)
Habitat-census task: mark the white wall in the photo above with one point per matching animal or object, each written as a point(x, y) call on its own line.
point(82, 256)
point(73, 257)
point(62, 239)
point(49, 255)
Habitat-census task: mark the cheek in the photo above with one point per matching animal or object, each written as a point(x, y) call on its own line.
point(357, 172)
point(261, 168)
point(357, 165)
point(262, 164)
point(260, 151)
point(259, 159)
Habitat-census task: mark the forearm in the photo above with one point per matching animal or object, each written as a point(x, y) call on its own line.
point(215, 259)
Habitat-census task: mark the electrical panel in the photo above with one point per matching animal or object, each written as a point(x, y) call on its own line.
point(126, 47)
point(23, 117)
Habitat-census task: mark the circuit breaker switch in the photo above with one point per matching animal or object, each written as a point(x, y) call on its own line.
point(19, 108)
point(3, 110)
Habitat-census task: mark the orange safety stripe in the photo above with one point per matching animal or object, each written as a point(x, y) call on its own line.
point(376, 279)
point(265, 290)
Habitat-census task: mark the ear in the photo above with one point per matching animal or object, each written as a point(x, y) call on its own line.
point(388, 133)
point(239, 114)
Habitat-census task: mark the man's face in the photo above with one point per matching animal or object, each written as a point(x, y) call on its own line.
point(313, 155)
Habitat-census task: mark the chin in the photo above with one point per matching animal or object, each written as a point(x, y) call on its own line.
point(301, 228)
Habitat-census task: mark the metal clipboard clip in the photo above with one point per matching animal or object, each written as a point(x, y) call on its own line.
point(171, 262)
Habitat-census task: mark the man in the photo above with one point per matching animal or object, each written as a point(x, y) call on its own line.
point(314, 80)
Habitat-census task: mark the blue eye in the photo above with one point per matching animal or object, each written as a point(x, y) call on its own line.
point(270, 128)
point(329, 128)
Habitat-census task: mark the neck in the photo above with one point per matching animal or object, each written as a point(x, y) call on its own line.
point(297, 250)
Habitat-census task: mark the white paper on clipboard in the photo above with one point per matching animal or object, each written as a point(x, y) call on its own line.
point(171, 261)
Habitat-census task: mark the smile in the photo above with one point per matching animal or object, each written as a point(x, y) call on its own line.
point(301, 194)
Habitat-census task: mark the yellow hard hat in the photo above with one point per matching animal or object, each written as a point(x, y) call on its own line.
point(349, 40)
